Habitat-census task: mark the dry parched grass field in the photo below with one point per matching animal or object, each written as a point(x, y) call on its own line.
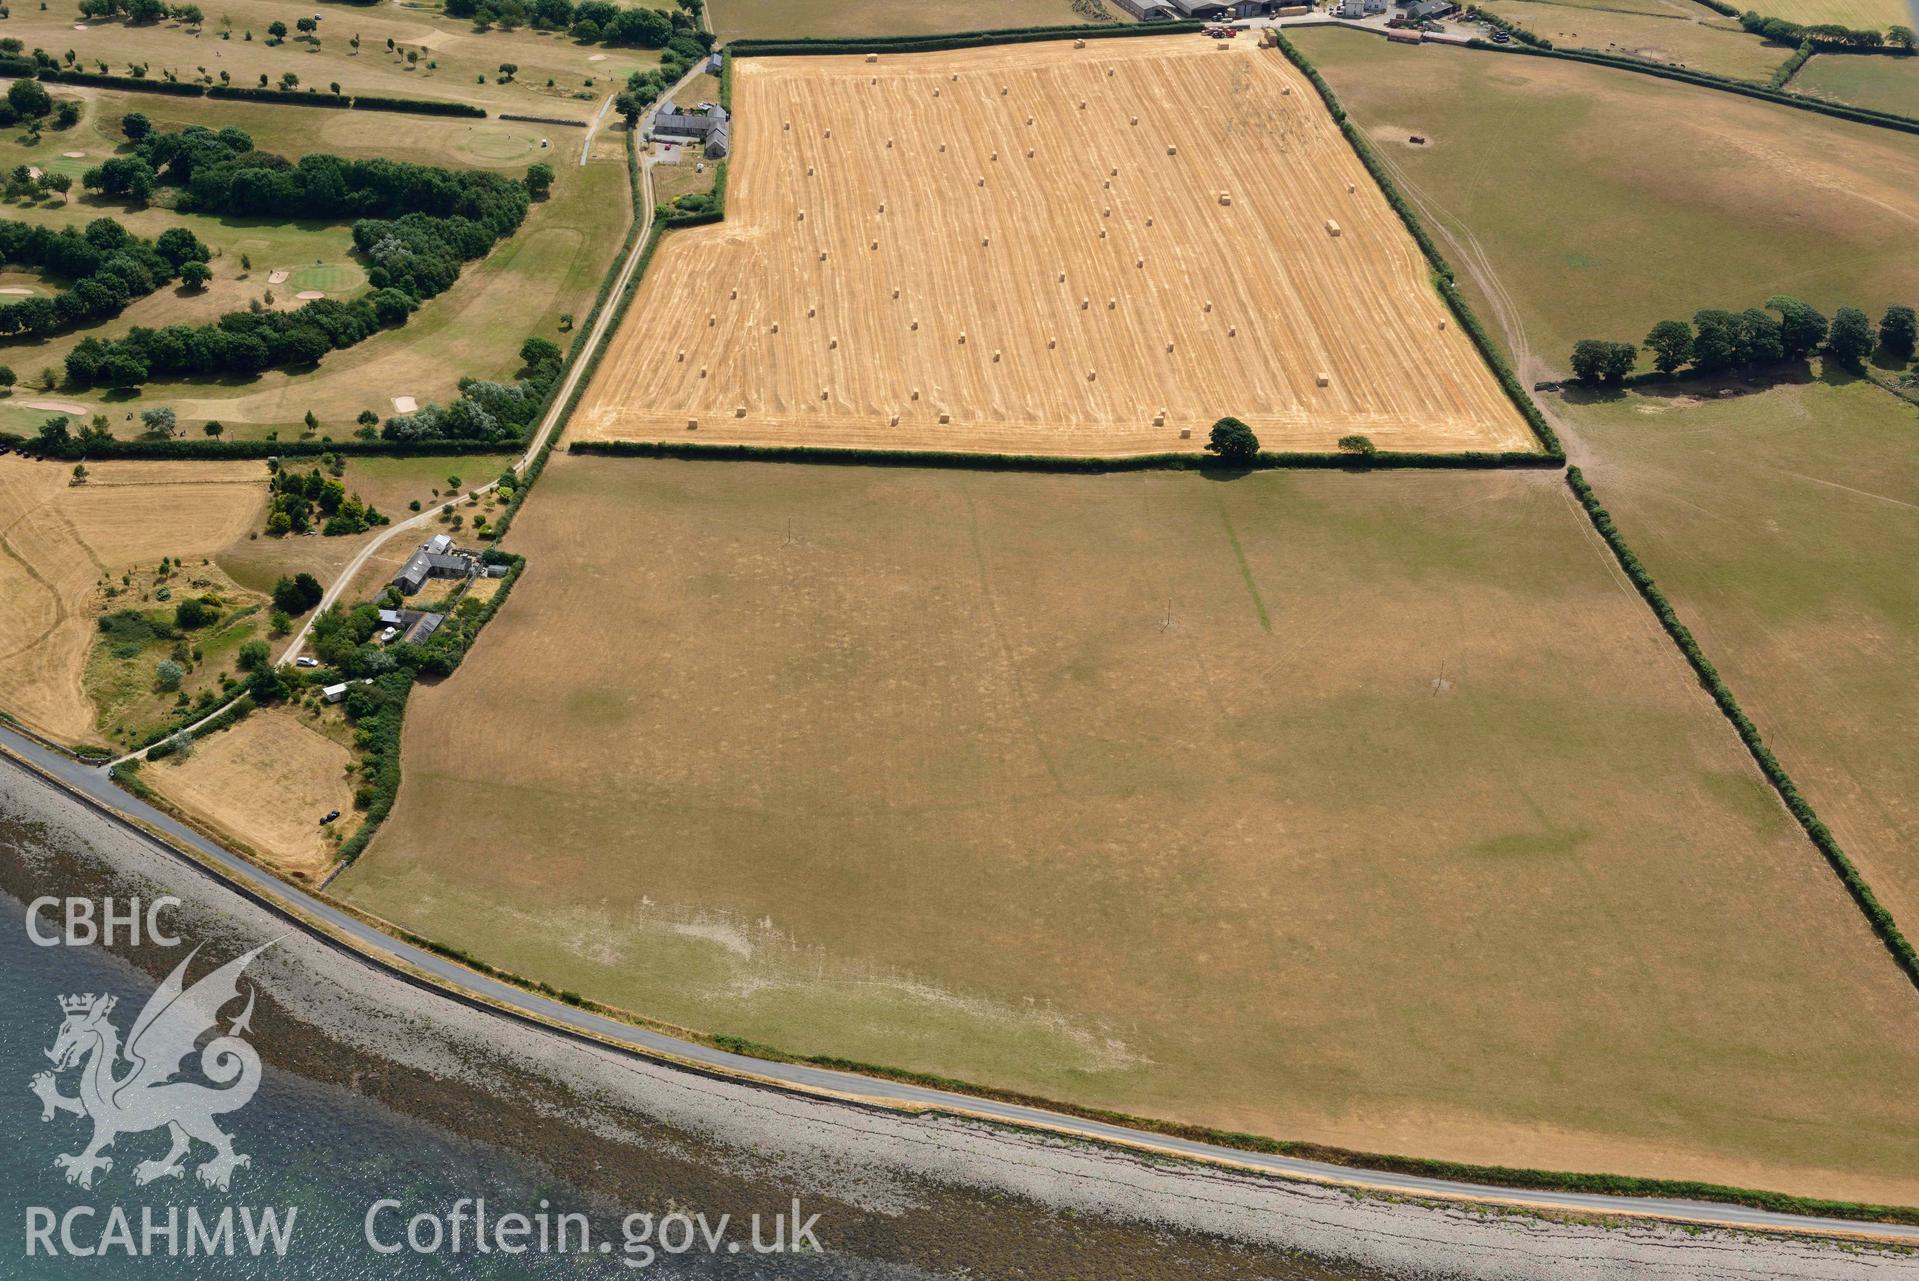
point(265, 783)
point(1375, 810)
point(1029, 241)
point(57, 541)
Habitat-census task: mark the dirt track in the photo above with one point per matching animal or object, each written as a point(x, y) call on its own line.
point(1051, 303)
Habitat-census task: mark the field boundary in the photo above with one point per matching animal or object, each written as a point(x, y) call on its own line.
point(799, 46)
point(1821, 836)
point(855, 456)
point(24, 69)
point(74, 450)
point(1444, 278)
point(1706, 80)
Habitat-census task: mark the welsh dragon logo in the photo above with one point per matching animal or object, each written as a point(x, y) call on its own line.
point(134, 1089)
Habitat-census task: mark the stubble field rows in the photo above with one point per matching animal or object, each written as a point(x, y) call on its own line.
point(1025, 249)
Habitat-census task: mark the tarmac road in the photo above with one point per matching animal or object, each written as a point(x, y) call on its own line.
point(354, 937)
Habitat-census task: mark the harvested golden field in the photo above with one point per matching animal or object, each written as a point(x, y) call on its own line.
point(58, 541)
point(1375, 810)
point(1030, 243)
point(264, 785)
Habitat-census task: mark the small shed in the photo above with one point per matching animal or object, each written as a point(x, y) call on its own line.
point(334, 693)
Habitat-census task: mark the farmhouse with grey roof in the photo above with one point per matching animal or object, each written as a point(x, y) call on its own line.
point(707, 122)
point(437, 558)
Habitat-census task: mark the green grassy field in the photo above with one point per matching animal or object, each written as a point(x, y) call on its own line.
point(771, 19)
point(552, 265)
point(1874, 15)
point(1784, 527)
point(1882, 84)
point(454, 62)
point(1291, 804)
point(1580, 202)
point(1698, 40)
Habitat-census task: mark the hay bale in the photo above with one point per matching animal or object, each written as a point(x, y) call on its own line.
point(1332, 228)
point(1079, 44)
point(994, 156)
point(1322, 379)
point(1232, 331)
point(1051, 343)
point(996, 357)
point(692, 424)
point(1209, 305)
point(1225, 199)
point(827, 134)
point(945, 418)
point(1092, 375)
point(810, 312)
point(822, 393)
point(873, 244)
point(712, 321)
point(962, 338)
point(1139, 262)
point(1112, 304)
point(895, 421)
point(1134, 120)
point(914, 325)
point(872, 57)
point(809, 171)
point(680, 358)
point(1029, 153)
point(916, 393)
point(985, 241)
point(1185, 433)
point(1172, 150)
point(739, 411)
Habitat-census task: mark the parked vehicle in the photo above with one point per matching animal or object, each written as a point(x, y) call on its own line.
point(304, 661)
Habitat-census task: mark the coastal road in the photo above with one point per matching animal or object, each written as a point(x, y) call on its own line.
point(433, 972)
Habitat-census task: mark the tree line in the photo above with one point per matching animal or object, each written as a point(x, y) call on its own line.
point(417, 225)
point(107, 265)
point(1717, 341)
point(1830, 34)
point(591, 21)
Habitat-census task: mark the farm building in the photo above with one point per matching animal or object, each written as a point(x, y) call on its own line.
point(411, 625)
point(334, 693)
point(1427, 10)
point(437, 558)
point(1359, 8)
point(707, 122)
point(1202, 10)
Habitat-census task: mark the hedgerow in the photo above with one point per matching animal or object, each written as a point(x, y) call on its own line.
point(1706, 80)
point(954, 40)
point(1876, 915)
point(953, 459)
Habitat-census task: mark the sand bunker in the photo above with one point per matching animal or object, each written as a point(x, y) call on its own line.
point(16, 289)
point(276, 277)
point(405, 404)
point(308, 295)
point(54, 406)
point(598, 57)
point(74, 155)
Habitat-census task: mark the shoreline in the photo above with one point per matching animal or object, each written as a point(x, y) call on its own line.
point(934, 1191)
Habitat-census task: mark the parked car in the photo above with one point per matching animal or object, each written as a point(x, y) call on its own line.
point(304, 661)
point(330, 816)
